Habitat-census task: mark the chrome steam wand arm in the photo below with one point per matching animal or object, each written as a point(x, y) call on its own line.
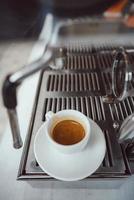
point(10, 91)
point(10, 86)
point(12, 81)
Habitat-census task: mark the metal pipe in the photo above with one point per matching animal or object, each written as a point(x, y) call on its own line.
point(15, 129)
point(12, 81)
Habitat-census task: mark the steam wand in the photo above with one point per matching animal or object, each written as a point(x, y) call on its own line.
point(51, 57)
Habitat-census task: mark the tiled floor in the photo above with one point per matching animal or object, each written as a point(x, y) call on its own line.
point(13, 55)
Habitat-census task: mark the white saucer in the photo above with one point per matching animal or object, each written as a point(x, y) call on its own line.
point(71, 167)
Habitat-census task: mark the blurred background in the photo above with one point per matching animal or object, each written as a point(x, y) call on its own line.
point(21, 23)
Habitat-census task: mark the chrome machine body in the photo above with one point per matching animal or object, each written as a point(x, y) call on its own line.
point(79, 72)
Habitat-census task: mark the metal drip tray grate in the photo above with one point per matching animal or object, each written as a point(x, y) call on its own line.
point(123, 109)
point(90, 106)
point(73, 82)
point(80, 85)
point(80, 62)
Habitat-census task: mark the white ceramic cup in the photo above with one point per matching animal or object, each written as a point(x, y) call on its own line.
point(55, 118)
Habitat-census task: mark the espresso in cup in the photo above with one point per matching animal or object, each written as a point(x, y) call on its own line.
point(68, 132)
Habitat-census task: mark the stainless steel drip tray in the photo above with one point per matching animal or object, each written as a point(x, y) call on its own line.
point(80, 85)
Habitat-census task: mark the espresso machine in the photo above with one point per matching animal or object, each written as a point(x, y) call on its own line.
point(89, 74)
